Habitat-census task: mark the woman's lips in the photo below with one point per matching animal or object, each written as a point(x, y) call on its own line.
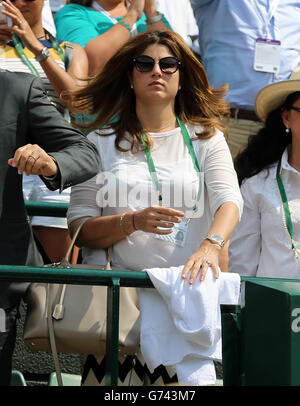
point(155, 83)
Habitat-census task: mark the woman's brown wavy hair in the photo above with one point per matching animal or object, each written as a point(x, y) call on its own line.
point(110, 97)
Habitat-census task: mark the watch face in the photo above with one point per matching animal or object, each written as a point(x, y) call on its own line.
point(217, 238)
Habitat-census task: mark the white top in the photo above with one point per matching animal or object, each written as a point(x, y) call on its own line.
point(260, 245)
point(47, 18)
point(126, 176)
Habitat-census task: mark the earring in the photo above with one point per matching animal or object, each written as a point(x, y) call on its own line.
point(179, 88)
point(287, 131)
point(131, 86)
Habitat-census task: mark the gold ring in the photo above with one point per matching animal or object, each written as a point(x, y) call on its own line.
point(31, 156)
point(206, 262)
point(19, 23)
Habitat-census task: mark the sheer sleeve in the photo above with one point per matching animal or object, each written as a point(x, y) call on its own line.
point(219, 174)
point(83, 201)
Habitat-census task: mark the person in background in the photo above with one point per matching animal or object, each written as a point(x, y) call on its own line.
point(266, 242)
point(166, 165)
point(56, 5)
point(27, 47)
point(102, 27)
point(180, 15)
point(247, 44)
point(34, 139)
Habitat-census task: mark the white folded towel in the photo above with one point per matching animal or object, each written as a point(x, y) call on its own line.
point(182, 322)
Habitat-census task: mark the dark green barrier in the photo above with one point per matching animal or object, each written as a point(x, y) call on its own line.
point(46, 209)
point(261, 341)
point(112, 279)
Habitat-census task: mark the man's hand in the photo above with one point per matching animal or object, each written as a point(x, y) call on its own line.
point(33, 160)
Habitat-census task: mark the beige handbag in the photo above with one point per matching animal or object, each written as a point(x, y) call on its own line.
point(72, 318)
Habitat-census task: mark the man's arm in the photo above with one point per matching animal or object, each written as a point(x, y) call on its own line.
point(76, 157)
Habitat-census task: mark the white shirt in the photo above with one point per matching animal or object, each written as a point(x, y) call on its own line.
point(124, 184)
point(260, 244)
point(47, 18)
point(181, 17)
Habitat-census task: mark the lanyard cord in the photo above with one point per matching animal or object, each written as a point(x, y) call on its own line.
point(25, 59)
point(271, 13)
point(56, 46)
point(151, 165)
point(286, 209)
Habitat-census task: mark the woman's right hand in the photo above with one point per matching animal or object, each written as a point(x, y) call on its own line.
point(21, 28)
point(157, 219)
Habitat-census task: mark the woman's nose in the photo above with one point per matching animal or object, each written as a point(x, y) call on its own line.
point(156, 69)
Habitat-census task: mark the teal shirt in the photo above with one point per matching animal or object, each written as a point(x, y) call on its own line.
point(80, 24)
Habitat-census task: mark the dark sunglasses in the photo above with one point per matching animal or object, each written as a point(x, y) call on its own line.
point(295, 108)
point(168, 65)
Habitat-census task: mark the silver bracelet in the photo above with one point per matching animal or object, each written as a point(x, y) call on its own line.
point(155, 19)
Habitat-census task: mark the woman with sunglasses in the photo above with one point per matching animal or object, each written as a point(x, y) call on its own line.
point(266, 242)
point(27, 47)
point(166, 168)
point(103, 26)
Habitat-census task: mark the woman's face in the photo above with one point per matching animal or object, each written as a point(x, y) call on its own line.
point(31, 10)
point(291, 118)
point(155, 86)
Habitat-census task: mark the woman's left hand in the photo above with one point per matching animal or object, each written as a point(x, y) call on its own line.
point(198, 263)
point(21, 28)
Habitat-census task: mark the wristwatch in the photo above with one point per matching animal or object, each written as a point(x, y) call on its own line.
point(43, 55)
point(154, 19)
point(215, 239)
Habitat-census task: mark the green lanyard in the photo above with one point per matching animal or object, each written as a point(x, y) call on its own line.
point(151, 165)
point(26, 61)
point(56, 46)
point(286, 209)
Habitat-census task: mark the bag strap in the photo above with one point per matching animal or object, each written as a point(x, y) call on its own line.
point(58, 311)
point(52, 336)
point(65, 263)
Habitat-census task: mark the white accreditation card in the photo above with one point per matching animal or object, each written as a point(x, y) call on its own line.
point(178, 236)
point(267, 55)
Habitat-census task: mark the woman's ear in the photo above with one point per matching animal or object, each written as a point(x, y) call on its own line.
point(285, 117)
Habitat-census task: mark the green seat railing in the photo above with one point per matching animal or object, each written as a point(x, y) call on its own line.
point(46, 209)
point(114, 280)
